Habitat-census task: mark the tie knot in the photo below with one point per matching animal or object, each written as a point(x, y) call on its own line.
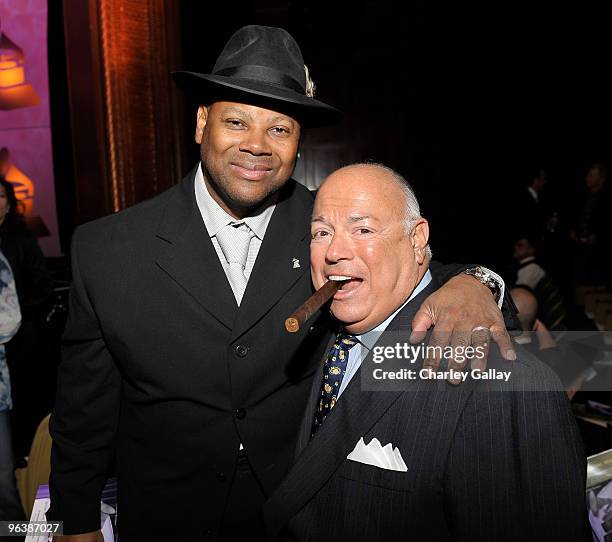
point(234, 240)
point(345, 341)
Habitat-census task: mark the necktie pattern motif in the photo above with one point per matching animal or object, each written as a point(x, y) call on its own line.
point(333, 373)
point(234, 240)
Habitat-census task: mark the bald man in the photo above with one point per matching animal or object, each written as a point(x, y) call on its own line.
point(425, 461)
point(527, 306)
point(568, 360)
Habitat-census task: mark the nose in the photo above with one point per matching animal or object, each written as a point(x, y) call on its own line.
point(339, 249)
point(255, 142)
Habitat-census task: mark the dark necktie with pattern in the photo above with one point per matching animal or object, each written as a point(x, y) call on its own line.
point(333, 373)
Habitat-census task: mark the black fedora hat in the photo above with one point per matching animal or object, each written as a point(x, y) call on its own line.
point(263, 66)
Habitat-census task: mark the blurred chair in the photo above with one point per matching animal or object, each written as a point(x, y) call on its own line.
point(38, 469)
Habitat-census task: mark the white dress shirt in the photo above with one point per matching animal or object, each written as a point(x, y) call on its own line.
point(531, 273)
point(533, 194)
point(215, 218)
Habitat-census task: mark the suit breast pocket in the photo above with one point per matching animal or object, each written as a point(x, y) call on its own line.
point(376, 476)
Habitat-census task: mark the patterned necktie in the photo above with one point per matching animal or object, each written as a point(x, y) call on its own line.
point(333, 372)
point(234, 240)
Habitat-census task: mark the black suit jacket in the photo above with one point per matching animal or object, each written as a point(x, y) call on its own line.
point(482, 465)
point(160, 367)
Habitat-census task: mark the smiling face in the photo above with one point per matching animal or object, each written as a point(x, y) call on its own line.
point(248, 153)
point(358, 231)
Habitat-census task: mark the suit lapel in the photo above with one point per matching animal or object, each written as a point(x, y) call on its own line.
point(187, 254)
point(287, 237)
point(353, 416)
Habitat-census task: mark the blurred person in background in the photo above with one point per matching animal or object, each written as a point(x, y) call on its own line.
point(21, 249)
point(10, 318)
point(552, 307)
point(531, 204)
point(567, 359)
point(592, 231)
point(542, 220)
point(32, 394)
point(556, 310)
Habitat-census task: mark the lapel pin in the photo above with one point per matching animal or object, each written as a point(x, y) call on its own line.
point(296, 263)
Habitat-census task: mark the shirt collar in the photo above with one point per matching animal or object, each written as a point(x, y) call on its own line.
point(216, 218)
point(369, 338)
point(527, 260)
point(533, 193)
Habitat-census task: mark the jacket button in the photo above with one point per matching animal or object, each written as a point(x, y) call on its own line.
point(221, 476)
point(240, 413)
point(241, 350)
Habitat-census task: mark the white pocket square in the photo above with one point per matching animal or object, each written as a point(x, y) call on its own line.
point(376, 455)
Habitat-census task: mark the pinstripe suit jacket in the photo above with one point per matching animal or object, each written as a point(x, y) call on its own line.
point(484, 463)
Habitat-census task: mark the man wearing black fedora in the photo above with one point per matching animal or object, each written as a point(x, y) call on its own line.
point(175, 360)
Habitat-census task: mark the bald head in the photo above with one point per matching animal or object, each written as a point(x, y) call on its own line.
point(527, 306)
point(385, 179)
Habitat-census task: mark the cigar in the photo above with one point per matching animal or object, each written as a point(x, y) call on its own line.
point(312, 305)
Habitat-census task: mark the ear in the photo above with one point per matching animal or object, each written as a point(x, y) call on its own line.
point(201, 120)
point(419, 238)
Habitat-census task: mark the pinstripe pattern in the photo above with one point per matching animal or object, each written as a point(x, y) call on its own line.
point(484, 463)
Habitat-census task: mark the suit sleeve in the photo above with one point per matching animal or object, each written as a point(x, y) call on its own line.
point(84, 422)
point(444, 272)
point(38, 285)
point(565, 361)
point(516, 470)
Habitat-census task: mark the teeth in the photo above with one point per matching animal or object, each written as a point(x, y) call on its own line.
point(339, 277)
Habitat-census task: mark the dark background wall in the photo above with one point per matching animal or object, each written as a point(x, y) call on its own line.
point(464, 99)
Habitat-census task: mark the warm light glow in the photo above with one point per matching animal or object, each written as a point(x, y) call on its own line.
point(14, 91)
point(11, 74)
point(11, 70)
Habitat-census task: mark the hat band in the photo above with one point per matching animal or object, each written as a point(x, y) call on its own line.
point(263, 74)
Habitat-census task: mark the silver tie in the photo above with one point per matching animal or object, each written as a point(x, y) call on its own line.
point(234, 240)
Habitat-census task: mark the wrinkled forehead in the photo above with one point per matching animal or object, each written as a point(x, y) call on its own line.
point(356, 192)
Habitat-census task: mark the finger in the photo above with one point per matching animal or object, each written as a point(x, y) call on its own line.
point(437, 342)
point(421, 322)
point(504, 343)
point(460, 340)
point(536, 324)
point(481, 338)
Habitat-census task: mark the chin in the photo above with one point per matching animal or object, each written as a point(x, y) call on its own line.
point(252, 196)
point(347, 317)
point(357, 327)
point(247, 200)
